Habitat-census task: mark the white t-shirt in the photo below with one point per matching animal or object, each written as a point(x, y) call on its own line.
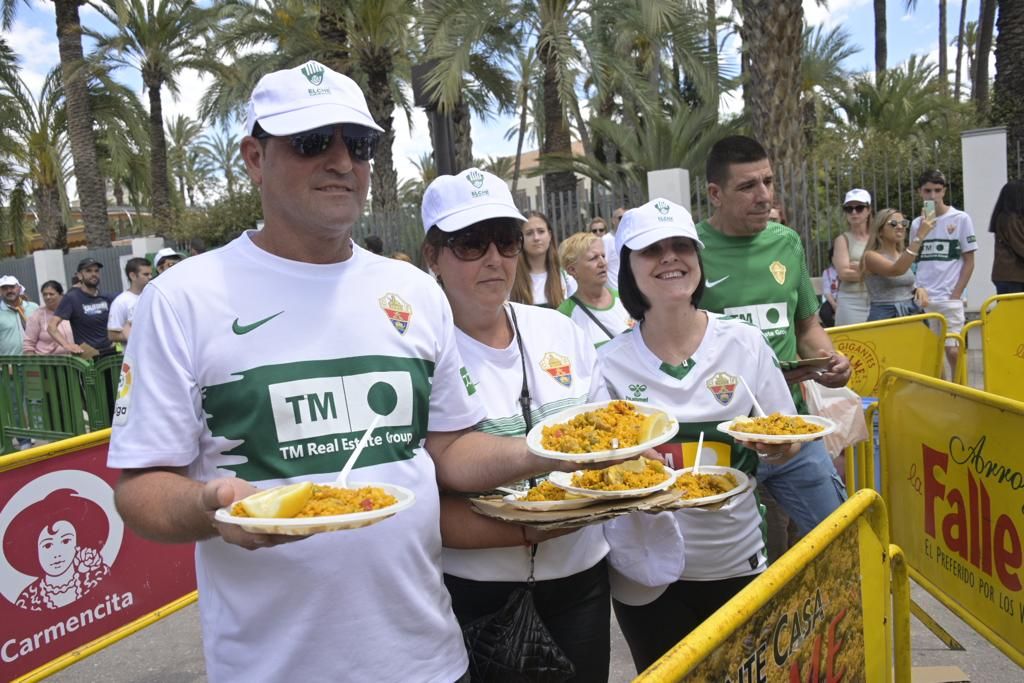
point(612, 257)
point(615, 318)
point(562, 369)
point(538, 281)
point(701, 393)
point(121, 310)
point(243, 363)
point(941, 254)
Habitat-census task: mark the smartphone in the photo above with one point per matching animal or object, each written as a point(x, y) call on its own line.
point(929, 208)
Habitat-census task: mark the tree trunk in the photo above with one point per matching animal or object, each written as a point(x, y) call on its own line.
point(333, 32)
point(463, 136)
point(519, 142)
point(559, 187)
point(772, 40)
point(712, 12)
point(51, 226)
point(1007, 104)
point(960, 48)
point(92, 193)
point(881, 41)
point(159, 191)
point(986, 24)
point(943, 58)
point(384, 180)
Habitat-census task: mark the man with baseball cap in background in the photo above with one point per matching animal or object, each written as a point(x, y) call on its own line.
point(87, 310)
point(236, 376)
point(165, 258)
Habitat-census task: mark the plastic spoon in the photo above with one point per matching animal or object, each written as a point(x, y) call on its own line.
point(700, 448)
point(757, 406)
point(342, 480)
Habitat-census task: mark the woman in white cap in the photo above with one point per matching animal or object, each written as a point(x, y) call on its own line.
point(525, 363)
point(849, 247)
point(689, 362)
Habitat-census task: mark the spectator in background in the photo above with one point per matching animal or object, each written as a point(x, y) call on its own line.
point(196, 246)
point(886, 266)
point(1008, 225)
point(374, 244)
point(611, 254)
point(87, 310)
point(402, 256)
point(540, 280)
point(38, 341)
point(76, 281)
point(852, 300)
point(598, 226)
point(829, 290)
point(165, 258)
point(119, 322)
point(595, 306)
point(14, 314)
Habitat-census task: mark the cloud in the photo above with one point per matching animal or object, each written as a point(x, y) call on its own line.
point(37, 52)
point(836, 13)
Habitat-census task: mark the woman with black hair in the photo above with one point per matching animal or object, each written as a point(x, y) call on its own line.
point(1008, 225)
point(689, 362)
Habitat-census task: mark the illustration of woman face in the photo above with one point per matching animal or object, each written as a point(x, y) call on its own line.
point(57, 547)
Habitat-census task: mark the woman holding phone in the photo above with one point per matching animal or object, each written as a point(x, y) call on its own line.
point(886, 266)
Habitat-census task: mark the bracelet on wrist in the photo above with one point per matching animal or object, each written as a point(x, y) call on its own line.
point(911, 252)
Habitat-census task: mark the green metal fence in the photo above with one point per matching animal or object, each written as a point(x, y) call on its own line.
point(54, 397)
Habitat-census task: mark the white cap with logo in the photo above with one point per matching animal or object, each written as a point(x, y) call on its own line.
point(166, 252)
point(857, 195)
point(454, 202)
point(309, 96)
point(9, 281)
point(656, 220)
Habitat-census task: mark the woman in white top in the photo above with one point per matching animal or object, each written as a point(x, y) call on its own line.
point(540, 280)
point(849, 246)
point(595, 306)
point(689, 362)
point(513, 351)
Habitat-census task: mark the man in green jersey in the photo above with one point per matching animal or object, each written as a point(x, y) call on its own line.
point(755, 269)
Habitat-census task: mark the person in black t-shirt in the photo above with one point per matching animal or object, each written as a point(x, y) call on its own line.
point(87, 310)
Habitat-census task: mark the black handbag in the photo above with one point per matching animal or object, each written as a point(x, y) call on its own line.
point(513, 645)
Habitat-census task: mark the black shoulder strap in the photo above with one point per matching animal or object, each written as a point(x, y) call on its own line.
point(592, 316)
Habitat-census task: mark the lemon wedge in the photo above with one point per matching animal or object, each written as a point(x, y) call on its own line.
point(654, 425)
point(280, 501)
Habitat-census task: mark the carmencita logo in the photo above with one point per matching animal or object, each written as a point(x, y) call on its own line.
point(314, 73)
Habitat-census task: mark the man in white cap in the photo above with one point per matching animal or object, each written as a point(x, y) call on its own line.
point(14, 314)
point(264, 362)
point(165, 258)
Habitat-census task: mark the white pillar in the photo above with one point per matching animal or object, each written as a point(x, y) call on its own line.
point(984, 157)
point(141, 246)
point(49, 265)
point(672, 184)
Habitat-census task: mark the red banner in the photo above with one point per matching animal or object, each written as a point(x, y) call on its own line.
point(70, 571)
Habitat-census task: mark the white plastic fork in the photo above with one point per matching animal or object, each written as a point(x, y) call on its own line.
point(696, 459)
point(342, 480)
point(757, 406)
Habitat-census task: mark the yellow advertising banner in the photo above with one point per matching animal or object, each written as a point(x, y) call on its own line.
point(906, 343)
point(820, 613)
point(954, 481)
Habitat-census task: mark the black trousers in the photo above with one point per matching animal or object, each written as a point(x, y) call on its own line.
point(653, 629)
point(575, 609)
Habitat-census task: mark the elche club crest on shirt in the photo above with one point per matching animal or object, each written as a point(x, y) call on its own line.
point(722, 386)
point(778, 272)
point(399, 313)
point(558, 367)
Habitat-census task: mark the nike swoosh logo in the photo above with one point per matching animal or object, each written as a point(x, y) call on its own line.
point(246, 329)
point(716, 282)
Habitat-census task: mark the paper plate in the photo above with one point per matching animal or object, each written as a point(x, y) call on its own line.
point(829, 427)
point(564, 480)
point(742, 481)
point(307, 526)
point(533, 439)
point(516, 501)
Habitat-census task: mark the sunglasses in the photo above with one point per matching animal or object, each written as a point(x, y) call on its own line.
point(855, 208)
point(471, 244)
point(899, 224)
point(599, 231)
point(360, 140)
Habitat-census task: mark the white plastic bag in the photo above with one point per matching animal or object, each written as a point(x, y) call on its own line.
point(842, 406)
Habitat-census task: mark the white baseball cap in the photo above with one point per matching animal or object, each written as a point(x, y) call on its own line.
point(454, 202)
point(306, 97)
point(166, 252)
point(9, 280)
point(657, 219)
point(858, 195)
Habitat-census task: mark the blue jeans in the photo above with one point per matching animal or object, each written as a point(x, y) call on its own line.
point(1007, 287)
point(884, 310)
point(807, 487)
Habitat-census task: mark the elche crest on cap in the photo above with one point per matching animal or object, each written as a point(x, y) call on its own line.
point(313, 72)
point(663, 208)
point(476, 179)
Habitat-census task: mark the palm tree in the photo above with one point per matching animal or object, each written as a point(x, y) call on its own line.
point(91, 190)
point(979, 86)
point(1007, 108)
point(822, 76)
point(182, 133)
point(220, 151)
point(159, 40)
point(959, 40)
point(881, 44)
point(40, 152)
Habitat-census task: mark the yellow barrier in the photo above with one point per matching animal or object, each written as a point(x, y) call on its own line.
point(895, 343)
point(1002, 346)
point(953, 480)
point(821, 610)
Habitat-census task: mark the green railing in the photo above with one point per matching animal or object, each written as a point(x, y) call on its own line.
point(54, 397)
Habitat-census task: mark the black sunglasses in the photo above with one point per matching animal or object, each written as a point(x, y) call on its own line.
point(470, 244)
point(360, 140)
point(855, 208)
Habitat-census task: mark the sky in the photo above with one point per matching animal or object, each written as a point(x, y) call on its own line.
point(33, 37)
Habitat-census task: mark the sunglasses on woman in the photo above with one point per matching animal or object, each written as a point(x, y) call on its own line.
point(899, 224)
point(855, 208)
point(471, 244)
point(360, 140)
